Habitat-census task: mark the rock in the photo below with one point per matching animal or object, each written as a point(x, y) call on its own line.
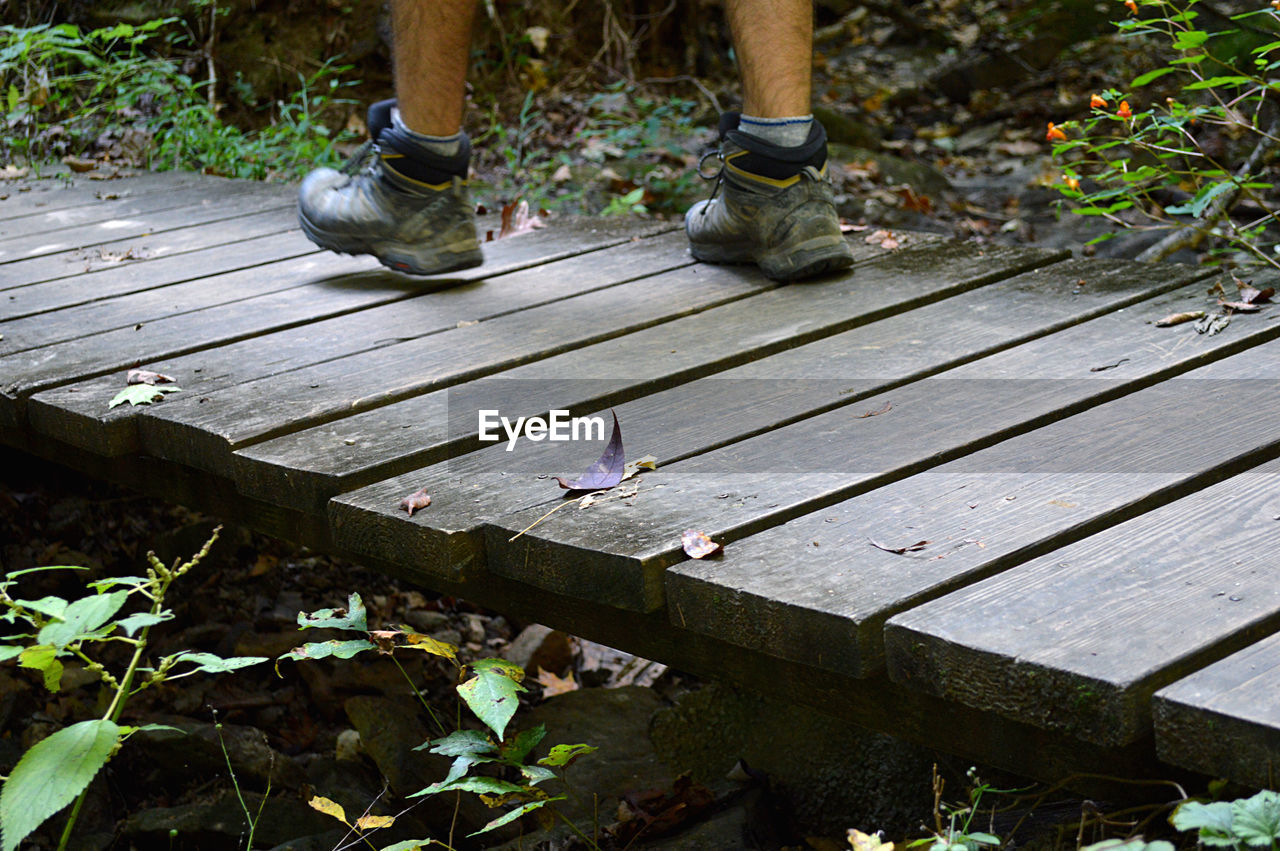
point(347, 748)
point(821, 769)
point(922, 177)
point(196, 750)
point(221, 823)
point(426, 620)
point(540, 647)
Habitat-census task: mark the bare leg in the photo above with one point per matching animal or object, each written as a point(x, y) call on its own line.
point(774, 43)
point(431, 42)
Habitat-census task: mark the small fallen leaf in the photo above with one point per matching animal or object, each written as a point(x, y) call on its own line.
point(145, 376)
point(142, 394)
point(79, 165)
point(1179, 318)
point(910, 548)
point(415, 501)
point(605, 472)
point(12, 172)
point(516, 219)
point(860, 841)
point(644, 462)
point(553, 685)
point(884, 409)
point(698, 545)
point(1240, 306)
point(1213, 324)
point(1252, 295)
point(884, 238)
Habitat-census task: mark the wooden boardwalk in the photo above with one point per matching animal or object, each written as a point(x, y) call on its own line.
point(974, 497)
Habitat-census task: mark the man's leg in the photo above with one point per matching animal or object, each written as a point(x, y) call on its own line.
point(409, 208)
point(773, 205)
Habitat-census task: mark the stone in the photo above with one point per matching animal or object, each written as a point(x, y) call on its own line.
point(194, 749)
point(922, 177)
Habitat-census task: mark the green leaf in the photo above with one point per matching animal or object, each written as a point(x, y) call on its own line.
point(1215, 82)
point(562, 755)
point(1148, 77)
point(983, 838)
point(1257, 819)
point(325, 649)
point(14, 97)
point(500, 666)
point(518, 748)
point(49, 606)
point(9, 652)
point(461, 743)
point(535, 774)
point(44, 660)
point(479, 785)
point(137, 621)
point(142, 394)
point(1197, 205)
point(492, 696)
point(513, 815)
point(1190, 39)
point(82, 619)
point(51, 775)
point(353, 617)
point(1213, 821)
point(409, 845)
point(211, 664)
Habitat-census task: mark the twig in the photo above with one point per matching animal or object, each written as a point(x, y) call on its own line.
point(685, 78)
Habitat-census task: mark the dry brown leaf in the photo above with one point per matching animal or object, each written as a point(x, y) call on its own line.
point(909, 548)
point(1241, 306)
point(516, 219)
point(698, 545)
point(415, 501)
point(883, 409)
point(1179, 318)
point(146, 376)
point(553, 685)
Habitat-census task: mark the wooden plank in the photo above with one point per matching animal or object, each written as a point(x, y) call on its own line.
point(120, 259)
point(43, 195)
point(203, 347)
point(1224, 720)
point(1079, 639)
point(242, 201)
point(113, 214)
point(621, 552)
point(497, 488)
point(819, 581)
point(305, 468)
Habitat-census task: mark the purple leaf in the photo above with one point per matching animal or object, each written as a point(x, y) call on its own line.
point(604, 473)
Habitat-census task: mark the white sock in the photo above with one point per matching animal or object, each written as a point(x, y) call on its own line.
point(445, 146)
point(790, 132)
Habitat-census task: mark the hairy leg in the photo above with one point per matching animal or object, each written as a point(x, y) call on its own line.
point(774, 43)
point(431, 45)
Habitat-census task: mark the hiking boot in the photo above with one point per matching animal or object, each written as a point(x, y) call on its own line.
point(405, 205)
point(771, 206)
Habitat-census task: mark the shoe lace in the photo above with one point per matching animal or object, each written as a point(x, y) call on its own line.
point(718, 176)
point(359, 160)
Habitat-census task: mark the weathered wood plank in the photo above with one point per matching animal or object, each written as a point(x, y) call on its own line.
point(305, 468)
point(196, 348)
point(747, 486)
point(144, 212)
point(33, 196)
point(282, 264)
point(818, 581)
point(495, 487)
point(1224, 720)
point(1079, 639)
point(119, 259)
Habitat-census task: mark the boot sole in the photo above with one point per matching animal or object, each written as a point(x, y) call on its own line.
point(806, 260)
point(400, 256)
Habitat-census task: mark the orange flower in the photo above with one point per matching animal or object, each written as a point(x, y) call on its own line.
point(1275, 4)
point(1132, 6)
point(1072, 182)
point(1055, 133)
point(1124, 111)
point(1098, 101)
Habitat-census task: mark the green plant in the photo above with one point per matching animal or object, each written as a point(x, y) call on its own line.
point(64, 89)
point(1177, 163)
point(59, 768)
point(957, 834)
point(630, 203)
point(1243, 824)
point(490, 688)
